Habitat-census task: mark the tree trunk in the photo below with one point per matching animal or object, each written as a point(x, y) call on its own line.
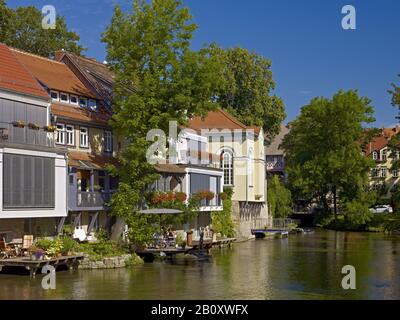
point(335, 202)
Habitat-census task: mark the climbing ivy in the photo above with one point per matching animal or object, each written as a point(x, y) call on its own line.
point(222, 220)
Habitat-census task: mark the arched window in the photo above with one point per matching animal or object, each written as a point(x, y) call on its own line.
point(227, 166)
point(250, 166)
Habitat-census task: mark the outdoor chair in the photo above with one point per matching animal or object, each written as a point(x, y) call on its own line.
point(5, 250)
point(27, 243)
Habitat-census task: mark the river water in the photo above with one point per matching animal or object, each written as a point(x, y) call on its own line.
point(300, 267)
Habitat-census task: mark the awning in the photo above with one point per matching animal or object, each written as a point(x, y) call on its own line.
point(86, 161)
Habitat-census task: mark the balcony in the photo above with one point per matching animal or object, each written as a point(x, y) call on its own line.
point(12, 135)
point(92, 199)
point(214, 204)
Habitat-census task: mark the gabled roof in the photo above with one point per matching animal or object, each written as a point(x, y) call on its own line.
point(53, 74)
point(97, 74)
point(219, 119)
point(376, 144)
point(15, 77)
point(273, 148)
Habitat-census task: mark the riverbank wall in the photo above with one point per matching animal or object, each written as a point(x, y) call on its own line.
point(122, 261)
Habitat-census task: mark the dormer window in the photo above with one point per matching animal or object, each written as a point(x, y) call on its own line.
point(383, 155)
point(92, 104)
point(64, 97)
point(375, 155)
point(54, 95)
point(83, 102)
point(73, 99)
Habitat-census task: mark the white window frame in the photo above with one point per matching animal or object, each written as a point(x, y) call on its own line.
point(383, 155)
point(84, 137)
point(92, 104)
point(58, 95)
point(77, 100)
point(395, 173)
point(65, 94)
point(60, 139)
point(383, 172)
point(86, 102)
point(69, 135)
point(108, 141)
point(227, 166)
point(375, 155)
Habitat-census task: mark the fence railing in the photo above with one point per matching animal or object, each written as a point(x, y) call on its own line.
point(11, 134)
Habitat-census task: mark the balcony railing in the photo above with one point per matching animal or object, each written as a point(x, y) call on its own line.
point(92, 199)
point(215, 202)
point(11, 134)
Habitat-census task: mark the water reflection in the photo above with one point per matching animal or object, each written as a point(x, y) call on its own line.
point(301, 267)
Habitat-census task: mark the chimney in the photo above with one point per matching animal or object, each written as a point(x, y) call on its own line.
point(59, 54)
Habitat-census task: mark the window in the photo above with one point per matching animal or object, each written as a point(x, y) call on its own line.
point(383, 172)
point(108, 141)
point(71, 179)
point(374, 172)
point(92, 104)
point(395, 173)
point(28, 182)
point(250, 165)
point(54, 95)
point(83, 102)
point(73, 99)
point(64, 97)
point(227, 166)
point(70, 135)
point(375, 155)
point(83, 137)
point(60, 133)
point(383, 155)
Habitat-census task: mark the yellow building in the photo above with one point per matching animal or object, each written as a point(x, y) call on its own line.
point(241, 157)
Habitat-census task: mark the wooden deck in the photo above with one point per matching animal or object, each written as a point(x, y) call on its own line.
point(34, 265)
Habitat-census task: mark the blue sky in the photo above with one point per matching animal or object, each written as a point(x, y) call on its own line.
point(311, 54)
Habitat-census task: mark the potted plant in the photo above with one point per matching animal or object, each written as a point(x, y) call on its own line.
point(33, 126)
point(50, 128)
point(182, 244)
point(19, 124)
point(258, 196)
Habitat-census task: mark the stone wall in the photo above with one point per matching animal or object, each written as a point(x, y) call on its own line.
point(110, 262)
point(247, 216)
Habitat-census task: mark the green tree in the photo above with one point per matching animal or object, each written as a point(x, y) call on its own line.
point(279, 198)
point(324, 151)
point(158, 78)
point(22, 28)
point(247, 88)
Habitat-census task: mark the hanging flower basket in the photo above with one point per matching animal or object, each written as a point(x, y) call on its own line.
point(33, 126)
point(50, 128)
point(19, 124)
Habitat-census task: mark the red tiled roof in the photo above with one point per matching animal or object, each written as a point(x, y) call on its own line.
point(80, 114)
point(219, 119)
point(15, 77)
point(376, 144)
point(53, 74)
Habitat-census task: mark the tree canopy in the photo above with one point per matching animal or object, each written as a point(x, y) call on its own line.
point(324, 152)
point(247, 89)
point(158, 78)
point(22, 28)
point(279, 198)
